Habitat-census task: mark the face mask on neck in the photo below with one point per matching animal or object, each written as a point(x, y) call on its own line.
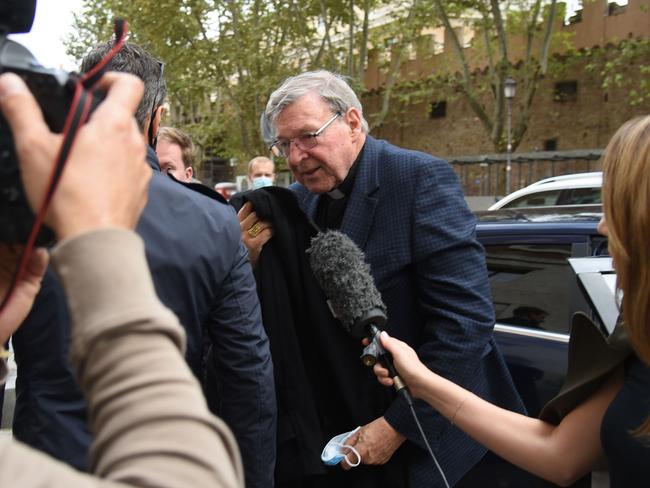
point(261, 182)
point(336, 449)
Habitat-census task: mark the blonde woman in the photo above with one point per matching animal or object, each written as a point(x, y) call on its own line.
point(613, 422)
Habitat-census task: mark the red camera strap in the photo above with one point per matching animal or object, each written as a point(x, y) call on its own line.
point(77, 116)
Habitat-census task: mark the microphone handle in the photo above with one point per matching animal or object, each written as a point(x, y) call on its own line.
point(386, 359)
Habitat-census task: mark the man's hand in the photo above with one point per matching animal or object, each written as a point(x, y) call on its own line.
point(376, 442)
point(254, 232)
point(105, 179)
point(26, 289)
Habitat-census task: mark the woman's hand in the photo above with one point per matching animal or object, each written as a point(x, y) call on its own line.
point(406, 362)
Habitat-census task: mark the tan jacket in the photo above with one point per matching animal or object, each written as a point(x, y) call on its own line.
point(147, 414)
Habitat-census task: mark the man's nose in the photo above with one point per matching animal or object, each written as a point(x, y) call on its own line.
point(296, 154)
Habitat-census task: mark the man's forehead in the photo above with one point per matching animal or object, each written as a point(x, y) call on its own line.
point(306, 110)
point(168, 146)
point(262, 165)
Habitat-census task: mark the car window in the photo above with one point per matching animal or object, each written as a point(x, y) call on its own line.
point(539, 199)
point(531, 285)
point(580, 196)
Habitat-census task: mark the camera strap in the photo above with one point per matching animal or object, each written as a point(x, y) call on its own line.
point(90, 79)
point(77, 116)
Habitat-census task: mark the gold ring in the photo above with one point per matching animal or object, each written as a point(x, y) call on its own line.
point(255, 229)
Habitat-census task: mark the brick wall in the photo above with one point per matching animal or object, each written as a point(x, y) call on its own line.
point(587, 122)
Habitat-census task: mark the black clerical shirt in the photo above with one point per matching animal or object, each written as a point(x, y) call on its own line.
point(331, 205)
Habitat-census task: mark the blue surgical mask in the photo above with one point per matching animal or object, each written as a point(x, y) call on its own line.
point(335, 450)
point(261, 182)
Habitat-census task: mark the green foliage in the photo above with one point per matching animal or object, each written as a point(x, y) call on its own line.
point(223, 58)
point(624, 66)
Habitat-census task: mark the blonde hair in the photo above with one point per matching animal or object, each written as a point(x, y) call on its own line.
point(626, 199)
point(182, 140)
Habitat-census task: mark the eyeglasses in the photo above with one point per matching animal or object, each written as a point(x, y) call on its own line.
point(281, 147)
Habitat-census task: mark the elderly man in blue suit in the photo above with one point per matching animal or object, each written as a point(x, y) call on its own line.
point(406, 211)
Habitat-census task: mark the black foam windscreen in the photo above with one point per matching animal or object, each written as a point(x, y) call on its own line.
point(339, 267)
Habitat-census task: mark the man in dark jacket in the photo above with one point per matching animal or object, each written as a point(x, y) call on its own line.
point(201, 271)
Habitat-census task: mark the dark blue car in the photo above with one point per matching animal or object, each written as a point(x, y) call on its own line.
point(535, 293)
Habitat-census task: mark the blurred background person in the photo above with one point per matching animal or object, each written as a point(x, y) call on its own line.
point(261, 172)
point(176, 153)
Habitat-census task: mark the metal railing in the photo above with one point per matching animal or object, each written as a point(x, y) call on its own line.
point(485, 174)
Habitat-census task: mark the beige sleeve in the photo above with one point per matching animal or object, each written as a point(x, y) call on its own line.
point(147, 414)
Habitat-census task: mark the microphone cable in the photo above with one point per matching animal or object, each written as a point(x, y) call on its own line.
point(386, 360)
point(409, 400)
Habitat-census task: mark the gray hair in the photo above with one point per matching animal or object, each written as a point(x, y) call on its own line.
point(135, 60)
point(331, 87)
point(267, 130)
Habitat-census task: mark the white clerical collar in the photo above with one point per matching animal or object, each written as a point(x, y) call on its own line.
point(336, 194)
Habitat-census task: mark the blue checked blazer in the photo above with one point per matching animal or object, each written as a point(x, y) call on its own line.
point(407, 213)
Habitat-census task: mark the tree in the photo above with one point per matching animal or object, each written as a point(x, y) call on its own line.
point(610, 62)
point(510, 38)
point(221, 58)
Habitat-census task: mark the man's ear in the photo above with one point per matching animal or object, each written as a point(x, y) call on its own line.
point(156, 120)
point(189, 172)
point(353, 118)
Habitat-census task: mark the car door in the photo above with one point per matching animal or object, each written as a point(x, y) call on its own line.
point(535, 293)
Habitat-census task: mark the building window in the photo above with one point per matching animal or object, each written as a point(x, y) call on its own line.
point(566, 91)
point(616, 8)
point(550, 145)
point(576, 18)
point(438, 110)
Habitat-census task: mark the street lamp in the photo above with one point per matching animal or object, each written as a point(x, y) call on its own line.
point(509, 88)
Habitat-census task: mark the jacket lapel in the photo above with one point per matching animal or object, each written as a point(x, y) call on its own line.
point(360, 210)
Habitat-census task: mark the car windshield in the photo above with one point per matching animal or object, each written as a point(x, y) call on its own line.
point(573, 196)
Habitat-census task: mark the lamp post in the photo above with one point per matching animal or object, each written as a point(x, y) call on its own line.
point(509, 87)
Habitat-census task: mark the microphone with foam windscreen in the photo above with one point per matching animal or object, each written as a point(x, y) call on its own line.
point(340, 269)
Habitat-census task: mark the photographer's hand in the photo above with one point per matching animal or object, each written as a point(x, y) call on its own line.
point(104, 183)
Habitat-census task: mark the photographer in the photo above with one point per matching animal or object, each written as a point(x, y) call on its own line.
point(149, 420)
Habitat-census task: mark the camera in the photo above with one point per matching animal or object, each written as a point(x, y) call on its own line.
point(54, 91)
